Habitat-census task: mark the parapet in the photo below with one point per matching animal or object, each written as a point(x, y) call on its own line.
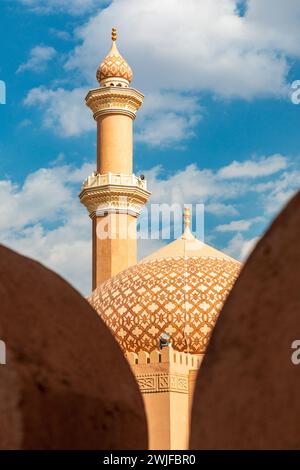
point(164, 370)
point(166, 358)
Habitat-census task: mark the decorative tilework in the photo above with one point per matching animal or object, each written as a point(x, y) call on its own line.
point(180, 296)
point(114, 66)
point(159, 383)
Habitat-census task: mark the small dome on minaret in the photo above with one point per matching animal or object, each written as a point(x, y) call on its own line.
point(114, 70)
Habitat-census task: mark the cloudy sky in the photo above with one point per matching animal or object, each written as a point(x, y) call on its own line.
point(218, 125)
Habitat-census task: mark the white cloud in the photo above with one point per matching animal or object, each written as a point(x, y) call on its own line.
point(43, 219)
point(240, 248)
point(220, 209)
point(276, 24)
point(242, 225)
point(167, 118)
point(64, 111)
point(38, 59)
point(66, 249)
point(254, 168)
point(189, 184)
point(167, 129)
point(214, 187)
point(73, 7)
point(61, 34)
point(25, 123)
point(213, 49)
point(278, 191)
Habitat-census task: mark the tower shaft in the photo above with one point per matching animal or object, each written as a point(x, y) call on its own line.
point(113, 195)
point(113, 254)
point(114, 144)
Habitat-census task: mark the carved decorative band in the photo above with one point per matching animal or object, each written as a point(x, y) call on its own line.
point(126, 112)
point(114, 198)
point(158, 383)
point(113, 210)
point(114, 100)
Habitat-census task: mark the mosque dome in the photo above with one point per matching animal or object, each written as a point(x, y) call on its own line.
point(114, 70)
point(179, 290)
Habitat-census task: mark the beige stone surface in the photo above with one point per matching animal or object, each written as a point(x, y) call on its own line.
point(114, 148)
point(115, 253)
point(66, 384)
point(247, 393)
point(165, 378)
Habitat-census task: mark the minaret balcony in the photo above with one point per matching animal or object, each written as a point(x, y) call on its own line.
point(95, 179)
point(111, 192)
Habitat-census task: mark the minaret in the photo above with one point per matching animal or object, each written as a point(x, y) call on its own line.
point(113, 195)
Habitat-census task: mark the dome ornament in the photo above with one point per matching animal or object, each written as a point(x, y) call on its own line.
point(187, 218)
point(187, 234)
point(114, 34)
point(114, 70)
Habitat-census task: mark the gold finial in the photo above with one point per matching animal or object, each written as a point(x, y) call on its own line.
point(114, 34)
point(187, 217)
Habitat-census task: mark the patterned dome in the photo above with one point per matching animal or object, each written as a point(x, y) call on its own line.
point(181, 296)
point(114, 66)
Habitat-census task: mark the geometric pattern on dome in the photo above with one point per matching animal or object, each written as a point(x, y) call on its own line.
point(180, 296)
point(114, 66)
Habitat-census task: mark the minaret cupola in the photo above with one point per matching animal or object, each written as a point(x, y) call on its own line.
point(114, 70)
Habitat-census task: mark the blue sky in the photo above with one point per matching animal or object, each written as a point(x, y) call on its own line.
point(218, 125)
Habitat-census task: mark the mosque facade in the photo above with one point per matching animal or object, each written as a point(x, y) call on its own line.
point(162, 309)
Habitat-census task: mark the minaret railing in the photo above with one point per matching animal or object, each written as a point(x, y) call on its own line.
point(118, 179)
